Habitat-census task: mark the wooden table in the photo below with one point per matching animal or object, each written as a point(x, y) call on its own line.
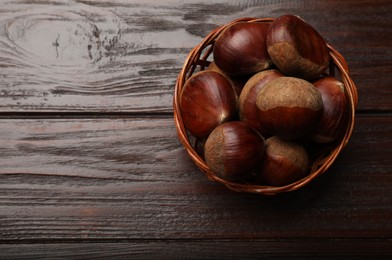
point(90, 162)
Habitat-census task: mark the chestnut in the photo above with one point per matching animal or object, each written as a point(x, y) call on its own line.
point(237, 82)
point(284, 162)
point(334, 110)
point(289, 107)
point(241, 49)
point(296, 48)
point(248, 110)
point(234, 150)
point(207, 100)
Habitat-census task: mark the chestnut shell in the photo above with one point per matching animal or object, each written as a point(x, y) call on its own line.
point(284, 162)
point(289, 107)
point(234, 150)
point(241, 49)
point(296, 48)
point(248, 111)
point(237, 82)
point(335, 106)
point(207, 100)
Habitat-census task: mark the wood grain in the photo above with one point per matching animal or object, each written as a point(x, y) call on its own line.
point(205, 249)
point(104, 179)
point(90, 163)
point(129, 148)
point(105, 56)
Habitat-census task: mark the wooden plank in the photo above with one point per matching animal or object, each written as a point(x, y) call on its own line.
point(209, 249)
point(131, 149)
point(105, 56)
point(104, 179)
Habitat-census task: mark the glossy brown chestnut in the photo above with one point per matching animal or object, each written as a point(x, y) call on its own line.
point(241, 49)
point(289, 107)
point(249, 113)
point(334, 99)
point(207, 100)
point(296, 48)
point(237, 82)
point(284, 162)
point(234, 150)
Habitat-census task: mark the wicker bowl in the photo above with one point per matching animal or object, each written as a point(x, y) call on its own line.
point(199, 58)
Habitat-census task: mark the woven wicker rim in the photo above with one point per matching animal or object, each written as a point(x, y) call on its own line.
point(198, 57)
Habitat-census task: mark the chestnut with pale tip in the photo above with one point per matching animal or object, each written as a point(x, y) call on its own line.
point(284, 162)
point(248, 110)
point(234, 150)
point(289, 107)
point(241, 49)
point(207, 100)
point(296, 48)
point(332, 120)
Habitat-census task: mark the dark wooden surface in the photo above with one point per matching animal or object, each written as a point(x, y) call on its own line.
point(90, 163)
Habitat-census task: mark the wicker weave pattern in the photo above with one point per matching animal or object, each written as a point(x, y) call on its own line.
point(198, 59)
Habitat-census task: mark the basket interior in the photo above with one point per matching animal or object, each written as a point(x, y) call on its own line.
point(199, 59)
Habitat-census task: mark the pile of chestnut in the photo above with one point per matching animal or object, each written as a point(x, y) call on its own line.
point(264, 96)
